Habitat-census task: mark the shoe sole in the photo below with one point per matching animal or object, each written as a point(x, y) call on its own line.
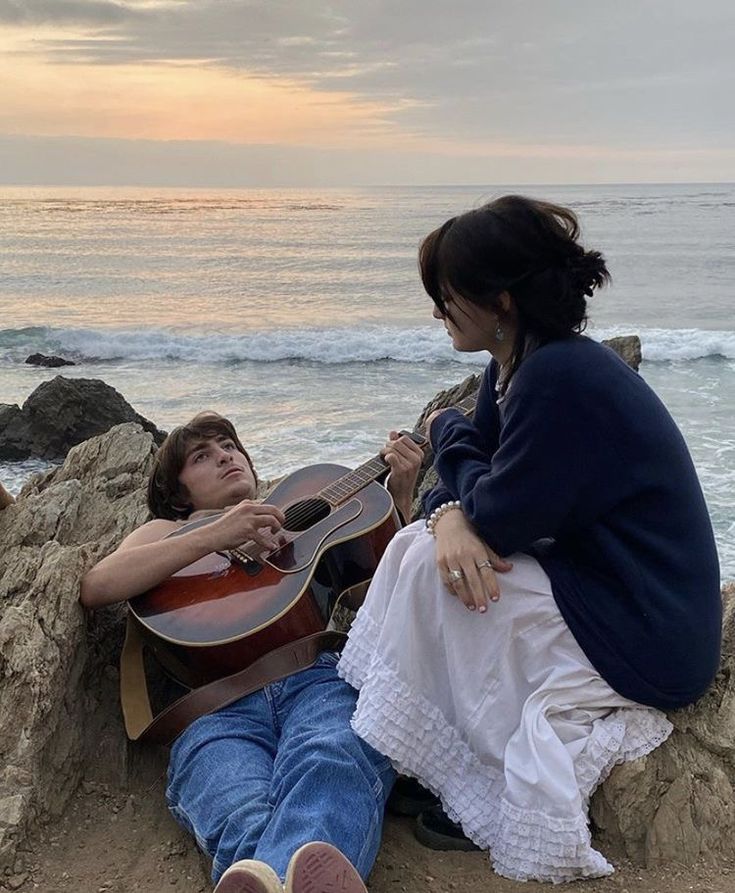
point(321, 868)
point(249, 876)
point(435, 840)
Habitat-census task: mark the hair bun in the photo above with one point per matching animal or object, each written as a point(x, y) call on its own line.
point(586, 271)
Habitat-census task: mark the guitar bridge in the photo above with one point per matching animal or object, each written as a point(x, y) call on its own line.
point(251, 567)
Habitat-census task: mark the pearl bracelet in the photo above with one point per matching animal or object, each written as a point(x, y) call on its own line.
point(438, 512)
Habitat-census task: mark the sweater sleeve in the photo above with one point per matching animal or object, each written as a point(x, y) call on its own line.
point(528, 487)
point(435, 497)
point(486, 423)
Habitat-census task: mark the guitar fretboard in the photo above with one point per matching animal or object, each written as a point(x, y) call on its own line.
point(349, 484)
point(345, 487)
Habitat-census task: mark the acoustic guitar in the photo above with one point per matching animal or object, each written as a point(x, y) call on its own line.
point(224, 611)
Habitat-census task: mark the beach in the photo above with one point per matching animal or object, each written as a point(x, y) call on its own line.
point(147, 853)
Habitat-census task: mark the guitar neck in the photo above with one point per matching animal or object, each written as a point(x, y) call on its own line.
point(351, 483)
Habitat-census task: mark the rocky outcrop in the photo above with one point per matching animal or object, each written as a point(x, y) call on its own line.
point(59, 715)
point(62, 413)
point(677, 804)
point(6, 498)
point(40, 359)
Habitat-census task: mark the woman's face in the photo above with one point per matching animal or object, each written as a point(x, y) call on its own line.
point(470, 327)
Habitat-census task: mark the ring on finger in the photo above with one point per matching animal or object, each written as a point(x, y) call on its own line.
point(485, 563)
point(456, 575)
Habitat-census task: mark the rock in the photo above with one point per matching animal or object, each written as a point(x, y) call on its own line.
point(677, 804)
point(15, 433)
point(40, 359)
point(62, 413)
point(6, 498)
point(59, 714)
point(629, 348)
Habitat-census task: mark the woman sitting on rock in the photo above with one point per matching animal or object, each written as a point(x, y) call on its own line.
point(512, 696)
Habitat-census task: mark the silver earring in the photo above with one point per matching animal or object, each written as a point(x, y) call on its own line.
point(499, 333)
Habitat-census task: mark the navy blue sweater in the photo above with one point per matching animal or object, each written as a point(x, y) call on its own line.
point(582, 466)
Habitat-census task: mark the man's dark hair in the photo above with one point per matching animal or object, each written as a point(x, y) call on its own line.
point(167, 498)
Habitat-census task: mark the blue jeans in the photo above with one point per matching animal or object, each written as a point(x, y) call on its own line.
point(279, 768)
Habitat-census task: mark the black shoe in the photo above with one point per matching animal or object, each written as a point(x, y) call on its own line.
point(435, 830)
point(408, 797)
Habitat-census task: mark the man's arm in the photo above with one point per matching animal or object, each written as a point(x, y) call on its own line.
point(146, 558)
point(143, 560)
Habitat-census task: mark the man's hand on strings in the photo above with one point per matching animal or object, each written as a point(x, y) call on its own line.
point(247, 521)
point(404, 458)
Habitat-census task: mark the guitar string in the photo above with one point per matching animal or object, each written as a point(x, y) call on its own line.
point(310, 513)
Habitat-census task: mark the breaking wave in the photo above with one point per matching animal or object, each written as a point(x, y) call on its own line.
point(330, 346)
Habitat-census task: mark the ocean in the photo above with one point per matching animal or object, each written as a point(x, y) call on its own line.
point(300, 313)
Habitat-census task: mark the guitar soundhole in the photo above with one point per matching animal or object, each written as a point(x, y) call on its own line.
point(305, 514)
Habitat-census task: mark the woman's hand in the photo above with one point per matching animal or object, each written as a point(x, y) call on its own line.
point(247, 521)
point(405, 458)
point(467, 565)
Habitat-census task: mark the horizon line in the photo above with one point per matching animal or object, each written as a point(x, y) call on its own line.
point(101, 185)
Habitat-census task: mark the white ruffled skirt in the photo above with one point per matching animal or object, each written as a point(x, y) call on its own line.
point(500, 714)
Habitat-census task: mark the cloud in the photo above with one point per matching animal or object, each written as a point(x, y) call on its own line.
point(488, 65)
point(67, 12)
point(633, 75)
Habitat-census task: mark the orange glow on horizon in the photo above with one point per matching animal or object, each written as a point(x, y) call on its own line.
point(174, 102)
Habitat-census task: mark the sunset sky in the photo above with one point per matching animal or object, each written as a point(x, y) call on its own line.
point(307, 92)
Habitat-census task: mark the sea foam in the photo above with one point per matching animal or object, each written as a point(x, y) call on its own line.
point(324, 345)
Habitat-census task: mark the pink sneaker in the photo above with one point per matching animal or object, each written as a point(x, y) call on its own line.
point(320, 868)
point(249, 876)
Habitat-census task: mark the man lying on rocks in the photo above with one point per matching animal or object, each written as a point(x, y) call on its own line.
point(276, 788)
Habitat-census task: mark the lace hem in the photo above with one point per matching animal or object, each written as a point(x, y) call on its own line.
point(630, 733)
point(358, 651)
point(523, 844)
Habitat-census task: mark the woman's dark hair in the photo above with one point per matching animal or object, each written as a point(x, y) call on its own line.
point(522, 246)
point(167, 498)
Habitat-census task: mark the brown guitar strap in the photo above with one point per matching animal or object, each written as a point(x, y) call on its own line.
point(140, 724)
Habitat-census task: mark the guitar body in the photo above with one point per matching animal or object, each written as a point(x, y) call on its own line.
point(218, 615)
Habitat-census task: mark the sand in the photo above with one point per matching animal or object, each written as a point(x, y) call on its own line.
point(113, 843)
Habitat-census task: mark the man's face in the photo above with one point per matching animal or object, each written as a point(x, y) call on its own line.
point(216, 474)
